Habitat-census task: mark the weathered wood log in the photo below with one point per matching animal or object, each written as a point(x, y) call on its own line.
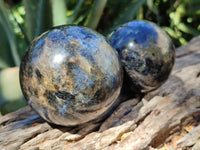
point(167, 118)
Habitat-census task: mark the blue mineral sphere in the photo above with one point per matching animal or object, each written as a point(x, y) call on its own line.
point(70, 75)
point(147, 54)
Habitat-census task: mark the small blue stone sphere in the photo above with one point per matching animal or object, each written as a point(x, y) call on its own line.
point(147, 54)
point(70, 75)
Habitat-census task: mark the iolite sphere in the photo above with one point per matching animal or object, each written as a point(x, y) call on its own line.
point(146, 52)
point(70, 75)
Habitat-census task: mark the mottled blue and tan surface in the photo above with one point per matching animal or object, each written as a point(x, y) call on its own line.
point(70, 75)
point(146, 52)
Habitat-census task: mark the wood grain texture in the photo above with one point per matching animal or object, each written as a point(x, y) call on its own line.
point(167, 118)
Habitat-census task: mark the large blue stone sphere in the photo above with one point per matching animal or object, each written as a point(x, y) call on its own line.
point(146, 52)
point(70, 75)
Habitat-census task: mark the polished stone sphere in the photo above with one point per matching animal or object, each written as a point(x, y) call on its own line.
point(147, 54)
point(70, 75)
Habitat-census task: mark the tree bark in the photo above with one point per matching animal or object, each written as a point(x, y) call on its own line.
point(167, 118)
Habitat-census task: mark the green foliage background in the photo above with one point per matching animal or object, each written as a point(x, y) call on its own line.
point(23, 20)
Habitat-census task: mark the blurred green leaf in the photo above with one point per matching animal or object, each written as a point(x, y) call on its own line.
point(176, 15)
point(80, 19)
point(72, 17)
point(192, 7)
point(9, 35)
point(150, 4)
point(2, 101)
point(5, 60)
point(19, 29)
point(171, 32)
point(8, 107)
point(129, 12)
point(154, 9)
point(59, 12)
point(187, 29)
point(95, 14)
point(182, 41)
point(38, 17)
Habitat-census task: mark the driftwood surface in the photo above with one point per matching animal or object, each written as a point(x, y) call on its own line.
point(166, 119)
